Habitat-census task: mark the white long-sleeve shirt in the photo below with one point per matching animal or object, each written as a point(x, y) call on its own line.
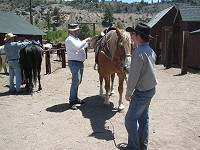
point(75, 48)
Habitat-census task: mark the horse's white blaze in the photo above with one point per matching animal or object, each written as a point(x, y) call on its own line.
point(127, 63)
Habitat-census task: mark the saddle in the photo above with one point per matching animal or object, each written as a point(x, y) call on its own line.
point(36, 42)
point(102, 43)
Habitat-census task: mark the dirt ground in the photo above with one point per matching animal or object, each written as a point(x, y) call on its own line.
point(42, 120)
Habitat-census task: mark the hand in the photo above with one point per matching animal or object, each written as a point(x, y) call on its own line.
point(88, 39)
point(128, 98)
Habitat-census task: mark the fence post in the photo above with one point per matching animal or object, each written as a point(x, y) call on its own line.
point(48, 63)
point(63, 58)
point(157, 50)
point(184, 60)
point(94, 29)
point(169, 51)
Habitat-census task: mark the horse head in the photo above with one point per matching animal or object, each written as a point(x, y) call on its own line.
point(124, 48)
point(93, 41)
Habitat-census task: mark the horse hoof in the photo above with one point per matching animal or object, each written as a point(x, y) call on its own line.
point(121, 107)
point(106, 103)
point(112, 92)
point(102, 96)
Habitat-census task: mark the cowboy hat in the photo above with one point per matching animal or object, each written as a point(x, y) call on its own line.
point(140, 28)
point(9, 36)
point(73, 27)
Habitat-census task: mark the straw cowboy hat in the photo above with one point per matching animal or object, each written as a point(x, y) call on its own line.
point(73, 27)
point(140, 28)
point(9, 36)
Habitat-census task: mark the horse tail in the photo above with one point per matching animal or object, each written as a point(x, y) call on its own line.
point(37, 61)
point(34, 65)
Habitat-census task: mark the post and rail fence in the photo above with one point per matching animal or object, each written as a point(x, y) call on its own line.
point(47, 58)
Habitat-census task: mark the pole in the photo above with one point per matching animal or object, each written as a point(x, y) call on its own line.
point(31, 17)
point(184, 60)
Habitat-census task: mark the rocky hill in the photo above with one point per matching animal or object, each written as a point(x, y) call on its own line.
point(56, 14)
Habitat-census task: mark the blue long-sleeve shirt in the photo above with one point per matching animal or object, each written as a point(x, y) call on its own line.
point(12, 49)
point(142, 70)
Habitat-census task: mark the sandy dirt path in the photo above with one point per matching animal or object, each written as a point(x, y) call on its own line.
point(42, 120)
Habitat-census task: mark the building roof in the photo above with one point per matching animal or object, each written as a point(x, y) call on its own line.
point(196, 31)
point(10, 22)
point(190, 13)
point(158, 16)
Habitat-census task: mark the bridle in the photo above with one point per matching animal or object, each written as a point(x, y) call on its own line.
point(120, 52)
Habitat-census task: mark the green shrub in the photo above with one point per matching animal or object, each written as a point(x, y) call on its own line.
point(57, 35)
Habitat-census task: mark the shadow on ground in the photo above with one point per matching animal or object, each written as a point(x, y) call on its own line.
point(58, 108)
point(99, 114)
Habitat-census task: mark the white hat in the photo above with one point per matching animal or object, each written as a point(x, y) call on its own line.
point(8, 36)
point(73, 27)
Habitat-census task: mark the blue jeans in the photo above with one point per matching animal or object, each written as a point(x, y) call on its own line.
point(137, 119)
point(76, 69)
point(15, 70)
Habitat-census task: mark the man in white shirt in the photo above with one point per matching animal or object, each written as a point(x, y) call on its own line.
point(76, 54)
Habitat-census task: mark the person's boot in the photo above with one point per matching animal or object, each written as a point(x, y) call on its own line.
point(72, 105)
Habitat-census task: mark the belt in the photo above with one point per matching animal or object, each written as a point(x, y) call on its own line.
point(12, 59)
point(76, 61)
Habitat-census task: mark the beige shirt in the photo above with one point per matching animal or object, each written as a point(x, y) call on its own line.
point(142, 70)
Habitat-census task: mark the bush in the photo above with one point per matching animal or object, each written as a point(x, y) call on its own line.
point(57, 35)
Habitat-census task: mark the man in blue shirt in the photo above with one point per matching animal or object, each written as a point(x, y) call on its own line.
point(12, 51)
point(140, 87)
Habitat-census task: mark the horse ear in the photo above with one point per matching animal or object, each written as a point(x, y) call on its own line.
point(118, 32)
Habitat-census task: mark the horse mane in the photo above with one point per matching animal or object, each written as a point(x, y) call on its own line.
point(113, 37)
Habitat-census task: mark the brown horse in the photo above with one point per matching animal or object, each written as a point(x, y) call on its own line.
point(113, 55)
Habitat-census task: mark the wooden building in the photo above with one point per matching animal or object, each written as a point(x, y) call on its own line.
point(194, 49)
point(10, 22)
point(187, 19)
point(159, 24)
point(173, 22)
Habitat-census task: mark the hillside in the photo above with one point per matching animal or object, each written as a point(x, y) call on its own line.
point(56, 14)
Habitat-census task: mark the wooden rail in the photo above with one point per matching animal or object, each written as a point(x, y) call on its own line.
point(47, 58)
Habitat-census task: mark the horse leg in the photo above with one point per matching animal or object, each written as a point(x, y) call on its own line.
point(39, 77)
point(112, 83)
point(31, 81)
point(107, 88)
point(101, 86)
point(120, 90)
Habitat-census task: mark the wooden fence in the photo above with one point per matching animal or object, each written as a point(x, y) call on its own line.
point(166, 50)
point(48, 60)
